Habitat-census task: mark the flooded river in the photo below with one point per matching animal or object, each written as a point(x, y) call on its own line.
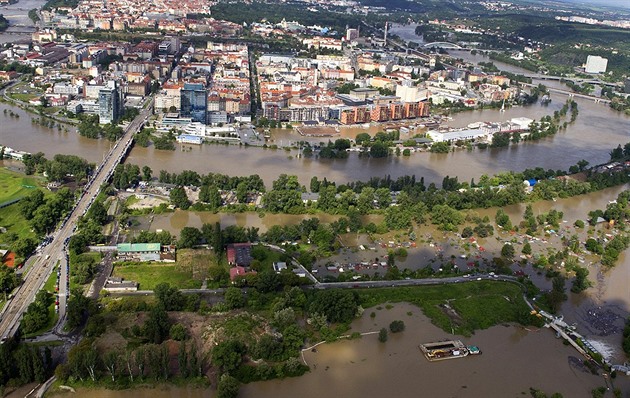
point(513, 360)
point(596, 131)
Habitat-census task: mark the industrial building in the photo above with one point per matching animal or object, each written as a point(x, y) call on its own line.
point(595, 64)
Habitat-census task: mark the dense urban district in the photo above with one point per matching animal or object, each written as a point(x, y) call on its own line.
point(103, 289)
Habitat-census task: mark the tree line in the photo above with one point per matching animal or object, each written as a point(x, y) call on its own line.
point(21, 364)
point(89, 127)
point(60, 168)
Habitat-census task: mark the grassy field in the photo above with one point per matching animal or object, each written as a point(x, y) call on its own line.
point(12, 220)
point(150, 275)
point(14, 185)
point(465, 307)
point(51, 282)
point(198, 261)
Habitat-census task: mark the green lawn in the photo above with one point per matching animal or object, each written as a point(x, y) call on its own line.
point(12, 220)
point(14, 185)
point(51, 282)
point(150, 275)
point(22, 97)
point(476, 305)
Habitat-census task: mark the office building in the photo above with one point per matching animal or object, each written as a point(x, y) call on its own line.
point(194, 102)
point(110, 104)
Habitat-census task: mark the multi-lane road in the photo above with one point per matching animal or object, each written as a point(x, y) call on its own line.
point(55, 251)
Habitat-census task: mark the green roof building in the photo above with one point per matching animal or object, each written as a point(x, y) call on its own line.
point(138, 248)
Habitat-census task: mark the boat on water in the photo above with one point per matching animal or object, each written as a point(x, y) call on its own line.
point(450, 349)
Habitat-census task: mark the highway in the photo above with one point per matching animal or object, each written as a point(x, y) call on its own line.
point(43, 266)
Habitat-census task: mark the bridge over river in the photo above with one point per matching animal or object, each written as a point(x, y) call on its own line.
point(42, 266)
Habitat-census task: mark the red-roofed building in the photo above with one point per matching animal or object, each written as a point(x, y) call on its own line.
point(7, 258)
point(239, 271)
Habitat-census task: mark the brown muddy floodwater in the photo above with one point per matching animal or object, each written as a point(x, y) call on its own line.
point(174, 222)
point(596, 131)
point(513, 360)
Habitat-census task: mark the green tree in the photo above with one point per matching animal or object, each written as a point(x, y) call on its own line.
point(79, 307)
point(617, 153)
point(440, 147)
point(446, 217)
point(527, 249)
point(157, 326)
point(228, 387)
point(581, 282)
point(379, 150)
point(383, 197)
point(24, 246)
point(169, 297)
point(397, 326)
point(382, 335)
point(242, 192)
point(362, 139)
point(228, 355)
point(234, 298)
point(98, 212)
point(178, 198)
point(336, 305)
point(189, 237)
point(9, 279)
point(210, 194)
point(507, 251)
point(178, 332)
point(147, 173)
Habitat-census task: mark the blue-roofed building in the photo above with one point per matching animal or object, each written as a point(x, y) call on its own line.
point(190, 139)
